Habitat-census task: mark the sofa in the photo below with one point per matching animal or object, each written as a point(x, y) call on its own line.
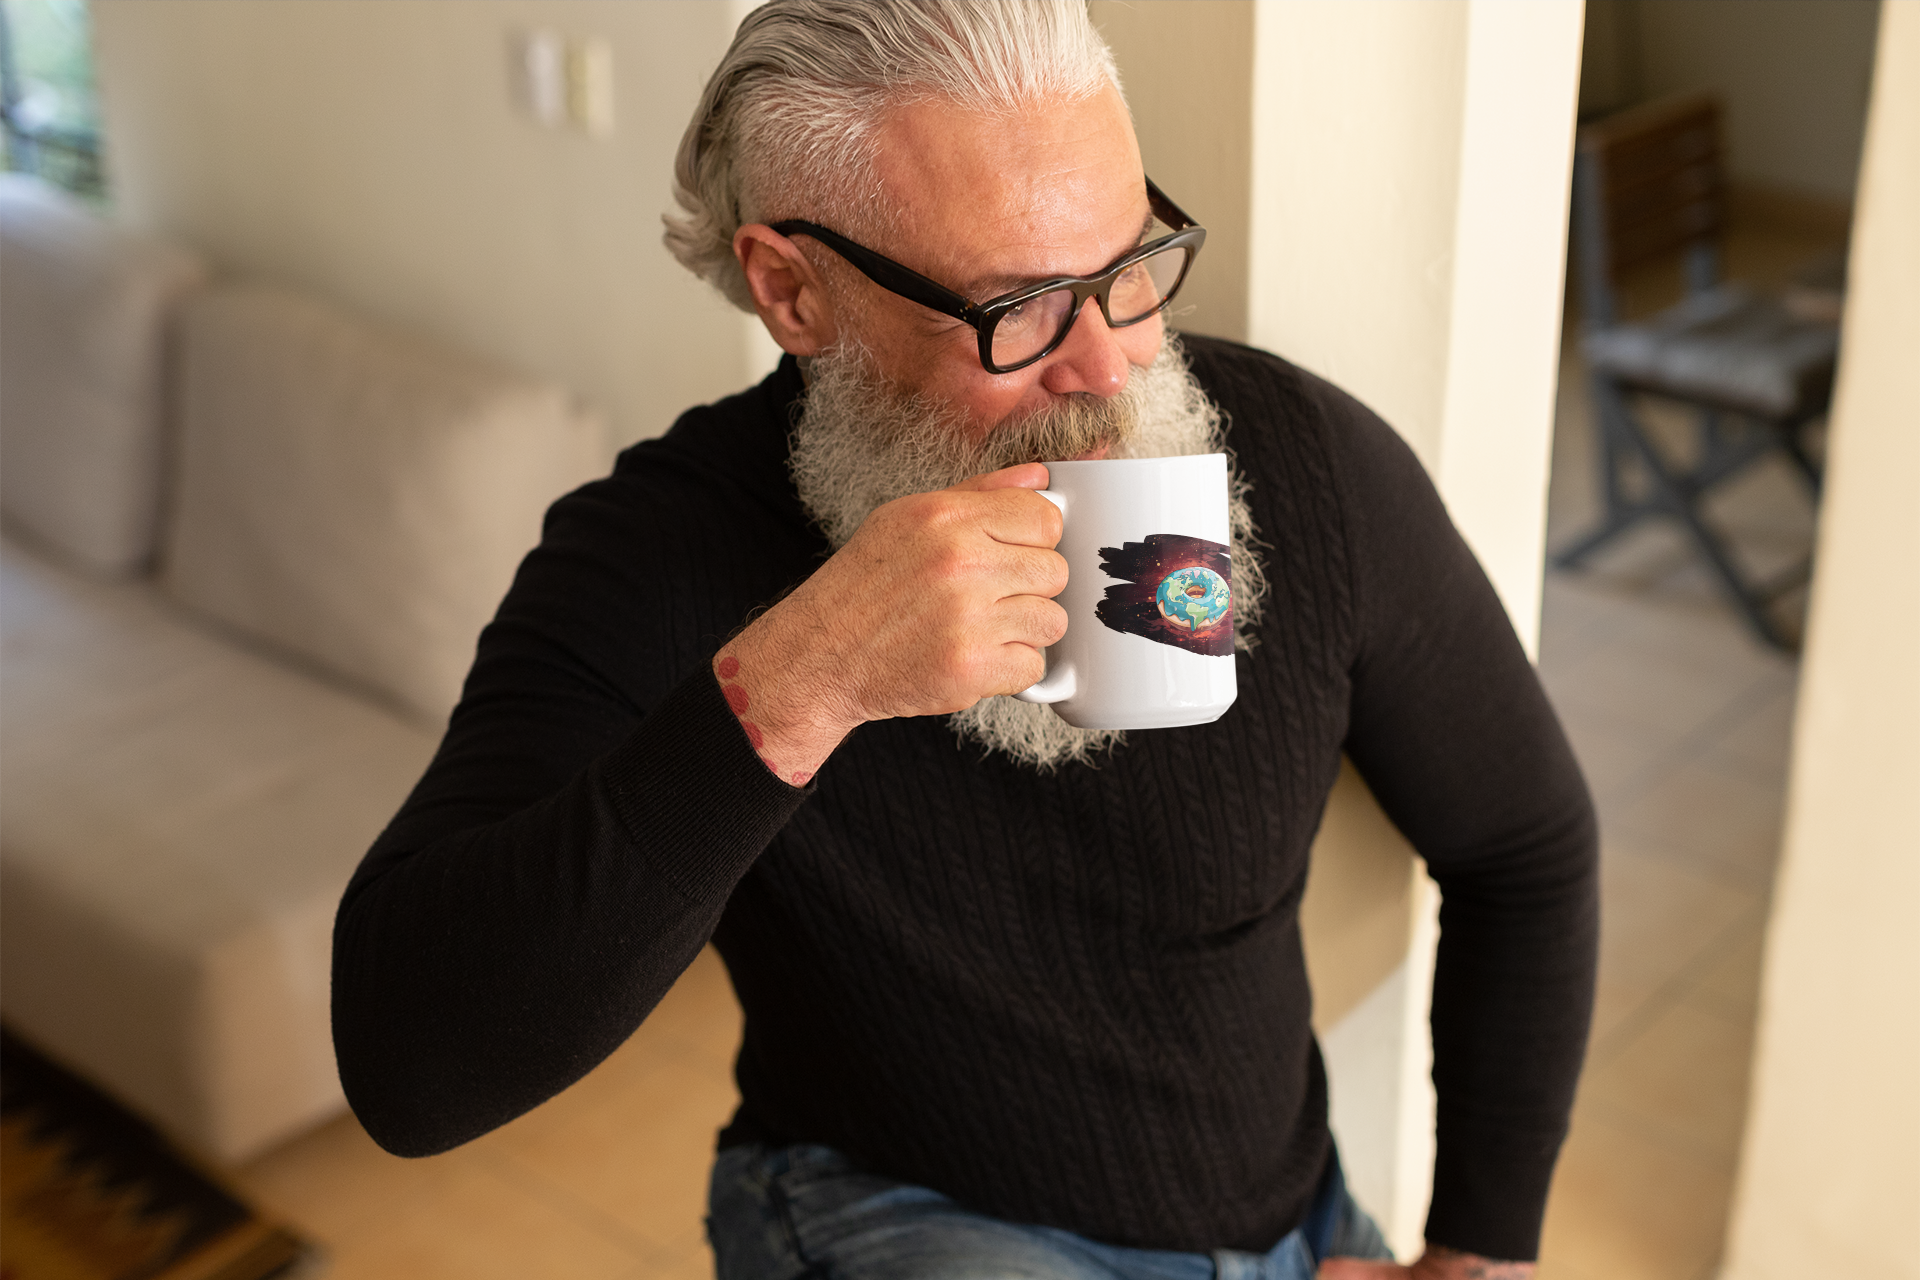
point(249, 543)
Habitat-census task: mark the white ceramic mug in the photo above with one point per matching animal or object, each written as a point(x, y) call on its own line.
point(1149, 599)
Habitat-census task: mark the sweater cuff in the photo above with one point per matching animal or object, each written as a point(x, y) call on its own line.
point(696, 799)
point(1490, 1189)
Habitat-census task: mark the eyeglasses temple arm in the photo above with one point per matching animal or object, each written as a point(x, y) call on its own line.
point(886, 272)
point(1166, 210)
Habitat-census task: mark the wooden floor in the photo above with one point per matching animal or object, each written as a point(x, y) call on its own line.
point(606, 1181)
point(1681, 720)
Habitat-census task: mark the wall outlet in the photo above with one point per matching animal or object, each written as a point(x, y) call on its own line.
point(590, 86)
point(560, 81)
point(540, 76)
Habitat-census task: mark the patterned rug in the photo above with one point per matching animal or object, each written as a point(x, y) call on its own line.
point(89, 1191)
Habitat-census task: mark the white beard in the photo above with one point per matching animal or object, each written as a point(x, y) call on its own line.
point(860, 443)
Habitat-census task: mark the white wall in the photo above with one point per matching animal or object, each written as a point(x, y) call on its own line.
point(1188, 70)
point(1793, 74)
point(1610, 72)
point(1830, 1176)
point(370, 151)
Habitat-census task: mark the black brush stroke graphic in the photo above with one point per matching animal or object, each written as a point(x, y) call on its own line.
point(1142, 566)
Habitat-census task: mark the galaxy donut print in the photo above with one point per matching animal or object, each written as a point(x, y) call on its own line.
point(1174, 590)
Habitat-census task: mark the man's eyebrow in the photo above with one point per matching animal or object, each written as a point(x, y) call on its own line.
point(981, 288)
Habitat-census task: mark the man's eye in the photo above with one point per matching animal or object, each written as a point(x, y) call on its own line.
point(1020, 317)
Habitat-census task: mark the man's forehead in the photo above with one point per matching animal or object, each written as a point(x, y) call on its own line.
point(991, 281)
point(984, 201)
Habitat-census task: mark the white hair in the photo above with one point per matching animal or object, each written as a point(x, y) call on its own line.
point(786, 124)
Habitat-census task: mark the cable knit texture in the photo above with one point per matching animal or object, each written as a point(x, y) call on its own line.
point(1076, 999)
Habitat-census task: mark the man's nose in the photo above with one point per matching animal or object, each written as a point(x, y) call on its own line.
point(1090, 360)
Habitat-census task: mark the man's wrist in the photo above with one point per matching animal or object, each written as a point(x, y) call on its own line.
point(793, 723)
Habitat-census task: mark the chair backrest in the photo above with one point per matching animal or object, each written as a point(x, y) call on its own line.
point(1647, 181)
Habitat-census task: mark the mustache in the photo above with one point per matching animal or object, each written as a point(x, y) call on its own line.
point(861, 440)
point(930, 436)
point(1065, 429)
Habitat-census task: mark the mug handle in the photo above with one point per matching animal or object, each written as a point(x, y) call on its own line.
point(1058, 684)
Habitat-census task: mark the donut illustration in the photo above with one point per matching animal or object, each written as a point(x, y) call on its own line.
point(1195, 598)
point(1173, 589)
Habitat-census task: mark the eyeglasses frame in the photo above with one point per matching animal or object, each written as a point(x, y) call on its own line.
point(984, 316)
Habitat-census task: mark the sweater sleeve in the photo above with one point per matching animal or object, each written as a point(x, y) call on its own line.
point(1451, 729)
point(567, 854)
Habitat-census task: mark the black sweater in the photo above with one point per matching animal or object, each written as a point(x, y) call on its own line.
point(1076, 999)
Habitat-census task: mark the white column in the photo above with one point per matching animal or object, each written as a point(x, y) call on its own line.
point(1830, 1175)
point(1509, 258)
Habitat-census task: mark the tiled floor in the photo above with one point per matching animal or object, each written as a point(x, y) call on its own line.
point(1681, 720)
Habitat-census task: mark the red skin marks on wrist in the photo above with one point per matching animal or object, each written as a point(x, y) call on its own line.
point(728, 668)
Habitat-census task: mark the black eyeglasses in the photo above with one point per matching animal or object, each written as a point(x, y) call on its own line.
point(1019, 328)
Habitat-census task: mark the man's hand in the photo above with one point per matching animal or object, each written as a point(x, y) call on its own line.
point(1437, 1263)
point(939, 600)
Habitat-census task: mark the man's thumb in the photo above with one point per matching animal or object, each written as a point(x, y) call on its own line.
point(1028, 475)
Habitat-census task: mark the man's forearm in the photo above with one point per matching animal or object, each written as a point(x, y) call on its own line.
point(481, 966)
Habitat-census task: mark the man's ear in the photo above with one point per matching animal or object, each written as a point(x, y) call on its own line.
point(787, 292)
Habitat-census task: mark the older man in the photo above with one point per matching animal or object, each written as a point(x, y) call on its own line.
point(1021, 999)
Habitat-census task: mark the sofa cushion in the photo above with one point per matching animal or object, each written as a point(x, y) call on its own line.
point(358, 498)
point(83, 306)
point(181, 819)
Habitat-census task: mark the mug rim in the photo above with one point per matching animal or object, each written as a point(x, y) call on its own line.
point(1122, 462)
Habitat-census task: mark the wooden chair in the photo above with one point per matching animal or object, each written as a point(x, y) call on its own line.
point(1647, 182)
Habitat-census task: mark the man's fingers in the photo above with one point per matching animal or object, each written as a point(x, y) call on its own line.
point(1021, 667)
point(1007, 513)
point(1028, 475)
point(1033, 571)
point(955, 594)
point(1029, 621)
point(1018, 517)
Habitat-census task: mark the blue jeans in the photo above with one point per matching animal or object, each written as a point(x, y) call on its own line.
point(780, 1213)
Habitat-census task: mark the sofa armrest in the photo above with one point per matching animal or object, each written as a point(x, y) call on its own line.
point(84, 305)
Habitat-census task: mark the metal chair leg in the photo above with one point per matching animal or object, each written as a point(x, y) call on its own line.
point(1615, 445)
point(1796, 447)
point(1672, 493)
